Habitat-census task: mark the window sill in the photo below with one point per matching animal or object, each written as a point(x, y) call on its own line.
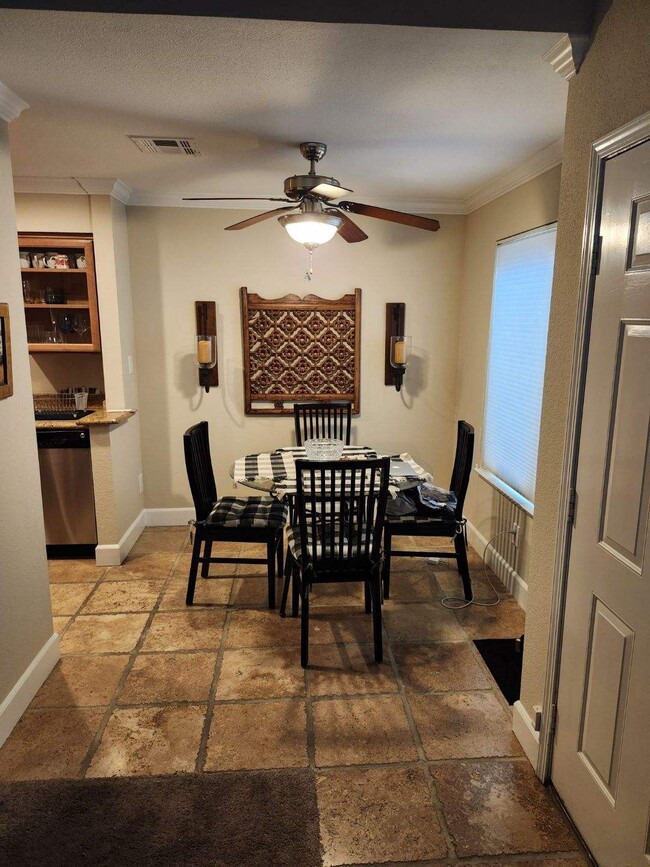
point(497, 483)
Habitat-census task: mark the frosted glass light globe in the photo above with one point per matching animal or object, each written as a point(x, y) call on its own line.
point(311, 229)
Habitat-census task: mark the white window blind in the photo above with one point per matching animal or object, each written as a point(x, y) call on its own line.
point(515, 379)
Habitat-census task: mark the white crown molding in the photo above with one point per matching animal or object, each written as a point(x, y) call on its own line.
point(560, 56)
point(54, 186)
point(11, 105)
point(75, 187)
point(106, 187)
point(537, 164)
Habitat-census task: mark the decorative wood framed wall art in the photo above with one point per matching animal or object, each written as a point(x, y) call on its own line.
point(298, 349)
point(6, 378)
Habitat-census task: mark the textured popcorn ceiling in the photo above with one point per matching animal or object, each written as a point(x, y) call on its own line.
point(409, 114)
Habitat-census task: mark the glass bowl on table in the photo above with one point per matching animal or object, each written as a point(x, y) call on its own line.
point(323, 449)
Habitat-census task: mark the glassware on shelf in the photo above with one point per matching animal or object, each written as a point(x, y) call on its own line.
point(28, 294)
point(81, 325)
point(66, 323)
point(54, 335)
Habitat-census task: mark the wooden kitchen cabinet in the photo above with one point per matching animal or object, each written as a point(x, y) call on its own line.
point(60, 302)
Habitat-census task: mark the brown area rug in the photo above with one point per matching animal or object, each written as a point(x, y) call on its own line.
point(255, 818)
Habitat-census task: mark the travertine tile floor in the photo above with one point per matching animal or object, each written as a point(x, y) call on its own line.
point(414, 760)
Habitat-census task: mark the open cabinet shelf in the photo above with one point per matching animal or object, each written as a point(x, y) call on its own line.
point(74, 323)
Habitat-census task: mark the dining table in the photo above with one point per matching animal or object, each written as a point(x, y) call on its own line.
point(275, 472)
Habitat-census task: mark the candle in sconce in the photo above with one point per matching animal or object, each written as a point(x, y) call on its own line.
point(399, 352)
point(204, 351)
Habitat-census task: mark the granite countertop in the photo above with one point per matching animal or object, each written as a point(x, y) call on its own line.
point(95, 419)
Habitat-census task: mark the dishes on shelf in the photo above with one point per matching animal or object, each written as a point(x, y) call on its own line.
point(52, 260)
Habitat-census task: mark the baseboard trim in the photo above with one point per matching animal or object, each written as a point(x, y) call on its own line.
point(29, 683)
point(513, 580)
point(113, 555)
point(522, 726)
point(168, 517)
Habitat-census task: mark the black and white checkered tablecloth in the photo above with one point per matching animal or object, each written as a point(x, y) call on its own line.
point(278, 469)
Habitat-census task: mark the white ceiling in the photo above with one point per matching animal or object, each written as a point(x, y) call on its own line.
point(409, 114)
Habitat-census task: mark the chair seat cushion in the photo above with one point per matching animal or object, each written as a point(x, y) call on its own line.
point(294, 542)
point(252, 512)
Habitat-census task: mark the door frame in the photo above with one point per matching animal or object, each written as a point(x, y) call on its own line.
point(633, 133)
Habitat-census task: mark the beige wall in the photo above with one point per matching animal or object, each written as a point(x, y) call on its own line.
point(125, 502)
point(25, 615)
point(53, 213)
point(179, 255)
point(530, 205)
point(611, 89)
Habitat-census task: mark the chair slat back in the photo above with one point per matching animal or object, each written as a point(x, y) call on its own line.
point(462, 464)
point(199, 469)
point(341, 507)
point(322, 420)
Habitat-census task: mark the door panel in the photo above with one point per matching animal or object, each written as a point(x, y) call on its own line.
point(628, 469)
point(606, 695)
point(601, 765)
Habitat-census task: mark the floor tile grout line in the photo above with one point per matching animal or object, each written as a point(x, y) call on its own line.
point(326, 769)
point(99, 734)
point(311, 753)
point(73, 617)
point(311, 731)
point(423, 763)
point(201, 755)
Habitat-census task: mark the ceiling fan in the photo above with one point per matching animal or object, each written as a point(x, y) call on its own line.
point(316, 216)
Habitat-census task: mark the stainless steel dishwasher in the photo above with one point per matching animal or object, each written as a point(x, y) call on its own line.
point(67, 488)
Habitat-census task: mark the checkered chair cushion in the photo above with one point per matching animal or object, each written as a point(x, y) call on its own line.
point(254, 512)
point(295, 543)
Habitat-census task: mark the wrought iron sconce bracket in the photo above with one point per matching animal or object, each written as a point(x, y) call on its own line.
point(395, 351)
point(206, 349)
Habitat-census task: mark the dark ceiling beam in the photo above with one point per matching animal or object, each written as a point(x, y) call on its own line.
point(561, 16)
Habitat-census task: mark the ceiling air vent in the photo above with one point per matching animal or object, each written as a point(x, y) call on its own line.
point(152, 145)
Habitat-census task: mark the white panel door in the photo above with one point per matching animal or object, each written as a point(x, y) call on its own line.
point(601, 759)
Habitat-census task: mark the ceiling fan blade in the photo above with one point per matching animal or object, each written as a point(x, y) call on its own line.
point(232, 199)
point(349, 231)
point(266, 215)
point(330, 191)
point(392, 216)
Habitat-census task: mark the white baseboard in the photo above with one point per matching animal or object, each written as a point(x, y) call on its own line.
point(113, 555)
point(513, 581)
point(168, 517)
point(522, 726)
point(18, 700)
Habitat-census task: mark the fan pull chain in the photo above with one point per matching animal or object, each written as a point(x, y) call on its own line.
point(310, 265)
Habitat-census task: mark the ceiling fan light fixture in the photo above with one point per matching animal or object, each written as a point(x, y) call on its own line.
point(311, 229)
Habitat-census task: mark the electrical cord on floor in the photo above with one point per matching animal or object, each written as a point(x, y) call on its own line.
point(459, 601)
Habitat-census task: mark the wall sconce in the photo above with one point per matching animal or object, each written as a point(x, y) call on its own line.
point(206, 343)
point(398, 346)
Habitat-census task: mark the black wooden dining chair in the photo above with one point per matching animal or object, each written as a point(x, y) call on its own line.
point(229, 519)
point(340, 508)
point(331, 420)
point(445, 522)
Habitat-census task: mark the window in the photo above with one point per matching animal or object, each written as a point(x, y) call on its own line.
point(521, 302)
